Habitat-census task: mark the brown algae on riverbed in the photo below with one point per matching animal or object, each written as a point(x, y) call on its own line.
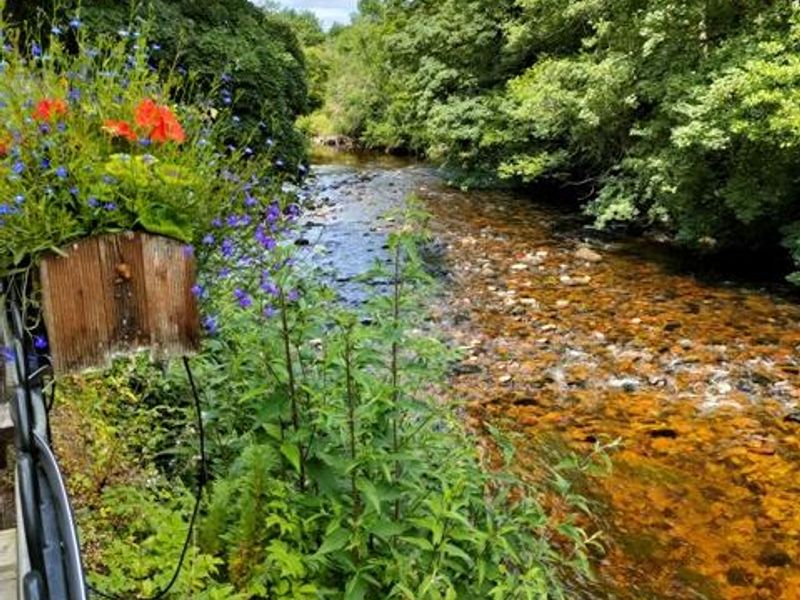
point(698, 381)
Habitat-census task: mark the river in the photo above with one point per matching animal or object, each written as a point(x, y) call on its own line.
point(573, 338)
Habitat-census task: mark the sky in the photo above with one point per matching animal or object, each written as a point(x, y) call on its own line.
point(328, 11)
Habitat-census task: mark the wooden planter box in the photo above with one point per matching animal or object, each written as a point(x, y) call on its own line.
point(118, 294)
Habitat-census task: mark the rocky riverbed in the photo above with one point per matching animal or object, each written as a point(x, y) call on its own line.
point(577, 339)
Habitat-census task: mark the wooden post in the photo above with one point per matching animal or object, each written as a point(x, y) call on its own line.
point(118, 294)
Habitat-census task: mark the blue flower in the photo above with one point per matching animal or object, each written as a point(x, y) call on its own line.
point(36, 50)
point(5, 209)
point(210, 323)
point(18, 168)
point(269, 287)
point(250, 201)
point(265, 240)
point(144, 142)
point(216, 223)
point(39, 342)
point(93, 202)
point(61, 126)
point(233, 221)
point(227, 247)
point(293, 296)
point(188, 250)
point(62, 173)
point(56, 30)
point(198, 291)
point(45, 163)
point(109, 206)
point(269, 312)
point(155, 47)
point(74, 95)
point(243, 298)
point(19, 199)
point(44, 128)
point(75, 23)
point(208, 240)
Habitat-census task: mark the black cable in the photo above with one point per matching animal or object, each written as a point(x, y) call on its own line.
point(201, 481)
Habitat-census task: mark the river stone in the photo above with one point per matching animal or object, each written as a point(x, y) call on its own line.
point(774, 557)
point(588, 255)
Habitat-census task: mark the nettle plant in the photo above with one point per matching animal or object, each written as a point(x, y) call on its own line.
point(339, 470)
point(92, 141)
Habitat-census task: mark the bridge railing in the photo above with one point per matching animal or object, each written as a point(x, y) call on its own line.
point(49, 559)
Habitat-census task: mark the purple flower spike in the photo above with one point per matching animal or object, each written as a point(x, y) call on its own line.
point(243, 298)
point(227, 247)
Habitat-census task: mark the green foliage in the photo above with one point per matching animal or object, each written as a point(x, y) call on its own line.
point(680, 115)
point(332, 425)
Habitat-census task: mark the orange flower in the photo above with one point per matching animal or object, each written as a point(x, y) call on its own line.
point(161, 122)
point(147, 113)
point(48, 109)
point(121, 129)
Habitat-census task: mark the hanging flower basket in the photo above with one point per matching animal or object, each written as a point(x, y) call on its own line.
point(117, 294)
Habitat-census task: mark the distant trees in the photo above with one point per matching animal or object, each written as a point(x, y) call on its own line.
point(684, 115)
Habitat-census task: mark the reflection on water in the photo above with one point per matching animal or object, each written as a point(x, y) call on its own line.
point(587, 340)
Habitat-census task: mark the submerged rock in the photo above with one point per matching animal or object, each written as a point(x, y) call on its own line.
point(588, 255)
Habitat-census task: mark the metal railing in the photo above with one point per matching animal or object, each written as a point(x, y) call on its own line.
point(49, 560)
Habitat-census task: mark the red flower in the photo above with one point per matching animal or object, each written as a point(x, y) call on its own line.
point(121, 129)
point(48, 109)
point(162, 124)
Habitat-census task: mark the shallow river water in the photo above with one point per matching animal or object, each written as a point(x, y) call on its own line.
point(581, 338)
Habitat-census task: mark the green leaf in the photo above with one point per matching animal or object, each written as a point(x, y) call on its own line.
point(292, 454)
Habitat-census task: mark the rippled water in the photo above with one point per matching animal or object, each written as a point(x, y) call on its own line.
point(700, 381)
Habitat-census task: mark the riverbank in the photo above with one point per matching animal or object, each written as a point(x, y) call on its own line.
point(581, 342)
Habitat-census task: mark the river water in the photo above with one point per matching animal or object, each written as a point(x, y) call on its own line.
point(572, 338)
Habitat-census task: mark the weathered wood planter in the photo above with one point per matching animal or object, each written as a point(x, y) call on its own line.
point(118, 294)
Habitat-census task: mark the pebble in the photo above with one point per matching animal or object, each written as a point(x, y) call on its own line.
point(588, 255)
